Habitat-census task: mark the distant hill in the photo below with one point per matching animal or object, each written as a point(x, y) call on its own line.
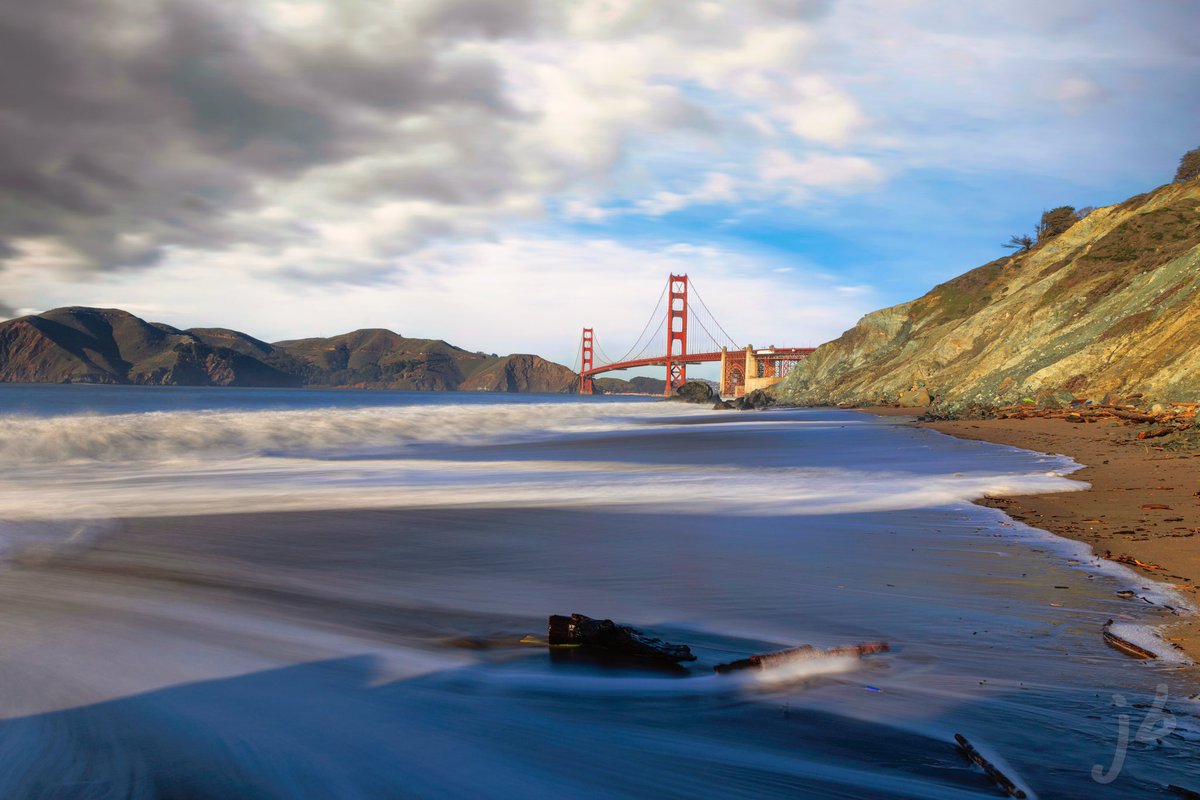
point(637, 385)
point(105, 345)
point(1108, 308)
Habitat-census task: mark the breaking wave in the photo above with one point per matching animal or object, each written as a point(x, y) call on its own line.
point(302, 432)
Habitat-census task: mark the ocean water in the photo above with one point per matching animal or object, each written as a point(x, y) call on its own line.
point(284, 593)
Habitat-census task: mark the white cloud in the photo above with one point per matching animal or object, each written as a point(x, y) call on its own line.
point(1077, 95)
point(795, 178)
point(717, 187)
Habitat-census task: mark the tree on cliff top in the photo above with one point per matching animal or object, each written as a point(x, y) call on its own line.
point(1055, 221)
point(1189, 166)
point(1020, 243)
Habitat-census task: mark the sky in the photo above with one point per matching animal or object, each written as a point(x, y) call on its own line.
point(501, 173)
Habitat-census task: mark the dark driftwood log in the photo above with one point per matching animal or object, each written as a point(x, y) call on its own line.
point(604, 634)
point(1124, 645)
point(998, 777)
point(767, 660)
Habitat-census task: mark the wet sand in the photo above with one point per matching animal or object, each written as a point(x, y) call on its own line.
point(1144, 502)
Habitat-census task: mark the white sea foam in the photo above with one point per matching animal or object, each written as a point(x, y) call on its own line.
point(1147, 637)
point(266, 484)
point(802, 669)
point(155, 436)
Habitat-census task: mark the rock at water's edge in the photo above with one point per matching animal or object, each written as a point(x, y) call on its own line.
point(695, 392)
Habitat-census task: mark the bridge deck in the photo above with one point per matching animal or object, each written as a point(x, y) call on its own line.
point(780, 353)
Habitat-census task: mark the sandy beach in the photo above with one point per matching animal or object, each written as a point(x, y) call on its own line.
point(1144, 502)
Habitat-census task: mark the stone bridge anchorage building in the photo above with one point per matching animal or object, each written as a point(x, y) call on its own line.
point(745, 370)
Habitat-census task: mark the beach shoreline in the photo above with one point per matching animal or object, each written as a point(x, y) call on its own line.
point(1143, 504)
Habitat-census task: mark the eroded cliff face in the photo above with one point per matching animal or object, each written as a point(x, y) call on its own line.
point(1111, 307)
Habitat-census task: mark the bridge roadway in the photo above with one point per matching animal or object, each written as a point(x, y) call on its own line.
point(655, 361)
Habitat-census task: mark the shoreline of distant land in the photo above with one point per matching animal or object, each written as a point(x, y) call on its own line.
point(1143, 506)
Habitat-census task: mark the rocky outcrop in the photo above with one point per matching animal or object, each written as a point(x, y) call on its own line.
point(1111, 307)
point(94, 345)
point(695, 392)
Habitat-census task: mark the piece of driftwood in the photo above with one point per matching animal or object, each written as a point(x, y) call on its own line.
point(1130, 560)
point(998, 777)
point(604, 634)
point(1124, 645)
point(780, 657)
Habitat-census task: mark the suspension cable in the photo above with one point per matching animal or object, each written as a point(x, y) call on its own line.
point(729, 339)
point(649, 322)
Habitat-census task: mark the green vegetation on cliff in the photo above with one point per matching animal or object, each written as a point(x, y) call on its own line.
point(1106, 305)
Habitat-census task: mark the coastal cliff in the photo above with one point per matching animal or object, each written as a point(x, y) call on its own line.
point(1108, 307)
point(110, 346)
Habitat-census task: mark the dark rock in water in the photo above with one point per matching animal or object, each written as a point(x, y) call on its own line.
point(723, 405)
point(756, 400)
point(604, 634)
point(695, 392)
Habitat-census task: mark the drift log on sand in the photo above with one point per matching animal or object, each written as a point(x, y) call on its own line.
point(998, 777)
point(604, 634)
point(1124, 645)
point(780, 657)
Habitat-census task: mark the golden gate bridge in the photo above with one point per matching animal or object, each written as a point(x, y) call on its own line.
point(688, 321)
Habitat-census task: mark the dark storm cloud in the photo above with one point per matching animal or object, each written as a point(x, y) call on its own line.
point(125, 129)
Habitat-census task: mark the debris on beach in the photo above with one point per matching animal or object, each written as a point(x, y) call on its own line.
point(806, 651)
point(1164, 419)
point(998, 777)
point(1124, 645)
point(604, 634)
point(1124, 558)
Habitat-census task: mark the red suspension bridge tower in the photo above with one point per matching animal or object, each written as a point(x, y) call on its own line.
point(693, 336)
point(586, 362)
point(677, 312)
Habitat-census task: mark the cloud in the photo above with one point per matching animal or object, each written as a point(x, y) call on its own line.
point(1078, 94)
point(355, 133)
point(795, 178)
point(129, 129)
point(717, 187)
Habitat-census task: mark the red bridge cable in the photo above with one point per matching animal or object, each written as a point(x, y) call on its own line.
point(599, 349)
point(649, 322)
point(703, 305)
